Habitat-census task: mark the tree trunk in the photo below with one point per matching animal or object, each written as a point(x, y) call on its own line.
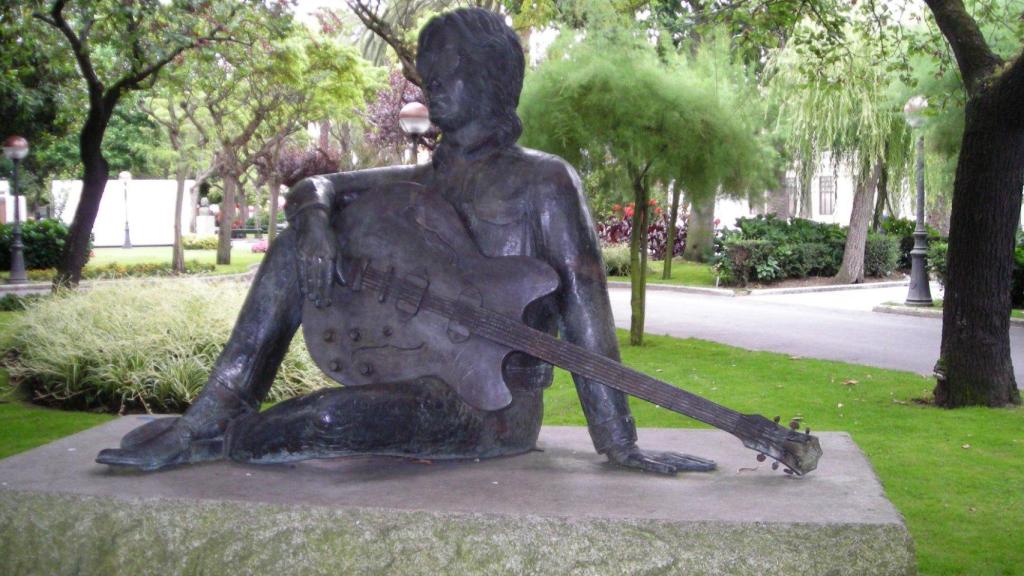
point(94, 181)
point(275, 192)
point(851, 271)
point(673, 217)
point(227, 218)
point(178, 252)
point(638, 260)
point(806, 201)
point(700, 229)
point(882, 200)
point(974, 367)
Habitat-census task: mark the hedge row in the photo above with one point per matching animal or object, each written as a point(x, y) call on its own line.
point(767, 249)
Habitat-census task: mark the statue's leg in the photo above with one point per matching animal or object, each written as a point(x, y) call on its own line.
point(424, 419)
point(241, 376)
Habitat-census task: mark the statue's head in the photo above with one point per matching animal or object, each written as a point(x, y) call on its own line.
point(472, 67)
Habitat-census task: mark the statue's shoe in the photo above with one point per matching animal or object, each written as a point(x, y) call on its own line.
point(161, 446)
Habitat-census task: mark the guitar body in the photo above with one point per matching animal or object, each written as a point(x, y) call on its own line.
point(377, 332)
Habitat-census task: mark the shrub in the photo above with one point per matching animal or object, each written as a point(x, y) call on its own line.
point(199, 242)
point(618, 228)
point(142, 269)
point(616, 259)
point(937, 260)
point(17, 303)
point(881, 255)
point(135, 345)
point(744, 261)
point(43, 240)
point(903, 229)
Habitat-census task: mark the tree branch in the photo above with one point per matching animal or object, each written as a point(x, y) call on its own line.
point(56, 19)
point(973, 55)
point(373, 22)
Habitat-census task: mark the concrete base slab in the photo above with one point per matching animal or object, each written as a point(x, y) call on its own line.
point(562, 510)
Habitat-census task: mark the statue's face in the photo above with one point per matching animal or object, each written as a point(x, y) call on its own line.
point(450, 95)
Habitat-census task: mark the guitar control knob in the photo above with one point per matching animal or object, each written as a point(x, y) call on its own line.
point(354, 334)
point(335, 365)
point(387, 331)
point(366, 369)
point(328, 335)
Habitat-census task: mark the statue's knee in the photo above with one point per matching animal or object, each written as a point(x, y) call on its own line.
point(332, 408)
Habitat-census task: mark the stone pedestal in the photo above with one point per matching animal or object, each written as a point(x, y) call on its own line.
point(560, 511)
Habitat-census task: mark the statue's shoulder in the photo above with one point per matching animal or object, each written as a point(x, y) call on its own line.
point(546, 172)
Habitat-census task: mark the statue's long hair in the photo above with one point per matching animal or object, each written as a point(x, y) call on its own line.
point(491, 50)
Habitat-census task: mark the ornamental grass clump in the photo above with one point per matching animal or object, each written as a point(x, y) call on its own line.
point(134, 346)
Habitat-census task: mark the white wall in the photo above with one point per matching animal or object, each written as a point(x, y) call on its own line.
point(150, 210)
point(8, 199)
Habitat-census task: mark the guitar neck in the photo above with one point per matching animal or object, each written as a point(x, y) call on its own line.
point(587, 364)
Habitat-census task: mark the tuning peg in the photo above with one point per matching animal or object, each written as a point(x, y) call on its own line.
point(794, 425)
point(761, 457)
point(787, 470)
point(776, 419)
point(775, 465)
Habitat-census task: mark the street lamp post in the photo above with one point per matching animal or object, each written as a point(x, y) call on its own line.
point(126, 177)
point(920, 293)
point(414, 118)
point(16, 149)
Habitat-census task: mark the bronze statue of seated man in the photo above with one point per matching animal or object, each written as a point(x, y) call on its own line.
point(512, 201)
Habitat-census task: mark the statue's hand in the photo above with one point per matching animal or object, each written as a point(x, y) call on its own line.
point(317, 251)
point(660, 462)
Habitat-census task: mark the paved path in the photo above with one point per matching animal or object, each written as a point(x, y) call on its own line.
point(827, 325)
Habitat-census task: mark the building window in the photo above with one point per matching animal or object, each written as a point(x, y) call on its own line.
point(826, 195)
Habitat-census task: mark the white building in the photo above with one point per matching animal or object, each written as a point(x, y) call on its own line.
point(832, 190)
point(147, 206)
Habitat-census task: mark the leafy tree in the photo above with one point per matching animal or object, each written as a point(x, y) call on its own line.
point(119, 48)
point(253, 96)
point(608, 99)
point(840, 106)
point(975, 365)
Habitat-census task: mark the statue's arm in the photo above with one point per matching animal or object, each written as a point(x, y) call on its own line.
point(308, 208)
point(571, 247)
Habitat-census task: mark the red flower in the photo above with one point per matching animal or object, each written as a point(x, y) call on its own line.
point(652, 202)
point(717, 221)
point(616, 207)
point(657, 210)
point(628, 211)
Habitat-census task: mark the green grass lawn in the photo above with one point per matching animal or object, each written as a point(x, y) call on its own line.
point(684, 273)
point(241, 257)
point(957, 476)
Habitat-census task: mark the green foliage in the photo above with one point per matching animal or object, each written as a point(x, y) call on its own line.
point(766, 249)
point(43, 240)
point(610, 101)
point(903, 229)
point(199, 242)
point(937, 260)
point(135, 346)
point(616, 259)
point(881, 255)
point(17, 303)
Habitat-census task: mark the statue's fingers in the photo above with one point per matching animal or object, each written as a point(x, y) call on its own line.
point(685, 462)
point(655, 465)
point(326, 280)
point(311, 278)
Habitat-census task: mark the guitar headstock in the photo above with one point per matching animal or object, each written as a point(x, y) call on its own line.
point(797, 451)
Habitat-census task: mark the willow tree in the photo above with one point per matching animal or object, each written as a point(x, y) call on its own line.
point(842, 107)
point(610, 99)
